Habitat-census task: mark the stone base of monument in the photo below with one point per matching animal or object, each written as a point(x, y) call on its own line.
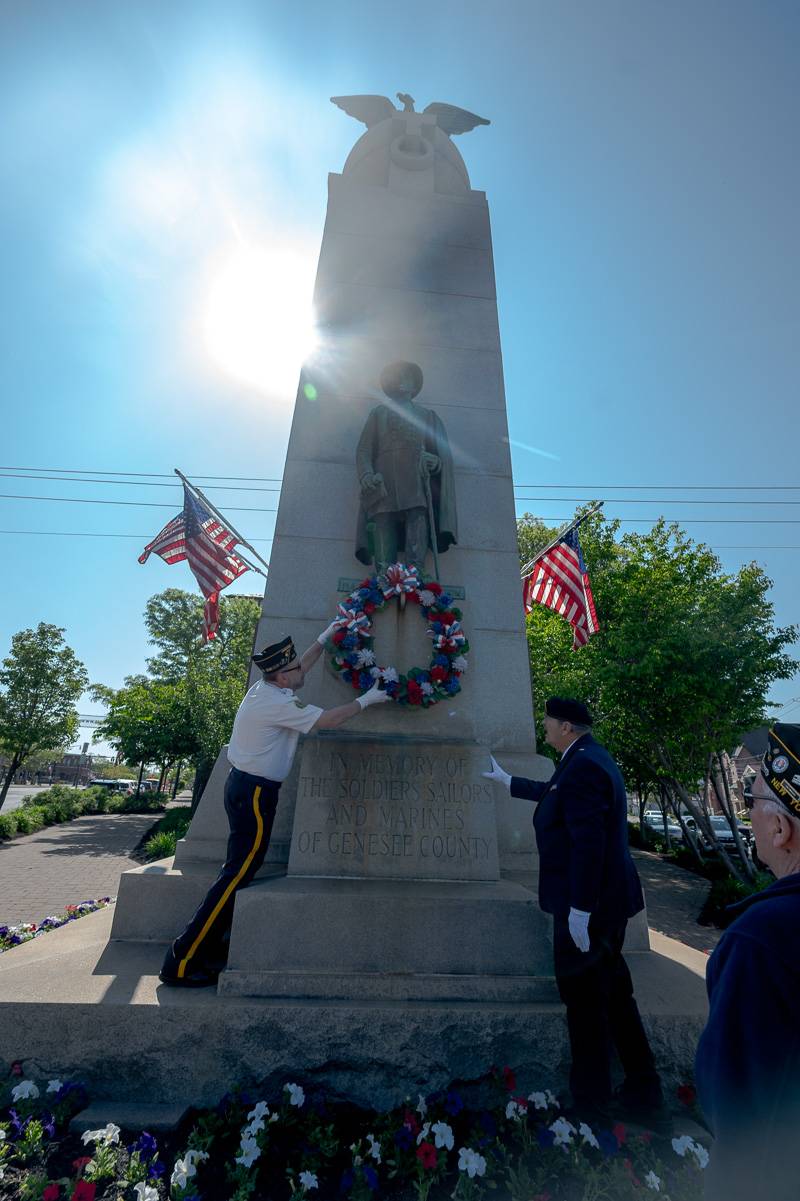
point(390, 940)
point(76, 1005)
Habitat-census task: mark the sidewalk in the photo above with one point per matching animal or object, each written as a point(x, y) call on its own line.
point(78, 861)
point(674, 900)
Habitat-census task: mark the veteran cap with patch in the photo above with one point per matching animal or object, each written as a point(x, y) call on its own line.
point(277, 657)
point(780, 766)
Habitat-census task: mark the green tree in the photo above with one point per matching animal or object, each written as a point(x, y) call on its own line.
point(148, 721)
point(41, 681)
point(681, 665)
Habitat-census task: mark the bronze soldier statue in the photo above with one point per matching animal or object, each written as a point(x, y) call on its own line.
point(405, 472)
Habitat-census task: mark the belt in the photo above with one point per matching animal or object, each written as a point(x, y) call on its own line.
point(261, 779)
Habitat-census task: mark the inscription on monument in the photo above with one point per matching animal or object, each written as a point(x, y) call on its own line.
point(363, 811)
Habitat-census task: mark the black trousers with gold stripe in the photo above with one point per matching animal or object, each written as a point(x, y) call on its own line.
point(250, 803)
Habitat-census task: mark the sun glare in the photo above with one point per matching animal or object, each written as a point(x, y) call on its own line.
point(258, 320)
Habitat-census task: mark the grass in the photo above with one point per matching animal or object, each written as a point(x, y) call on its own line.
point(161, 841)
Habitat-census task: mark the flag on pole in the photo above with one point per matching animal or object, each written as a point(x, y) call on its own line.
point(203, 541)
point(559, 580)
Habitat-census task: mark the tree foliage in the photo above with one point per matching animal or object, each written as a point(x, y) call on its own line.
point(184, 710)
point(41, 681)
point(684, 657)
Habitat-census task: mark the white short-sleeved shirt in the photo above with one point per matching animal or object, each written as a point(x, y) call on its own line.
point(266, 730)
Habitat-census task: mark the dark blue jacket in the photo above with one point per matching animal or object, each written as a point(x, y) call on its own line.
point(581, 825)
point(748, 1059)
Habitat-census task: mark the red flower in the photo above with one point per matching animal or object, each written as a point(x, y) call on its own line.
point(435, 588)
point(411, 1122)
point(687, 1094)
point(16, 1068)
point(439, 674)
point(51, 1193)
point(646, 1137)
point(446, 618)
point(356, 681)
point(84, 1191)
point(629, 1169)
point(509, 1079)
point(339, 637)
point(369, 608)
point(426, 1154)
point(620, 1133)
point(414, 693)
point(80, 1164)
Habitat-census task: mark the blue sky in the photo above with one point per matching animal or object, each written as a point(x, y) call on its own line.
point(643, 185)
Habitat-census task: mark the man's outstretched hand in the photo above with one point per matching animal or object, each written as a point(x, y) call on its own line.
point(497, 774)
point(375, 696)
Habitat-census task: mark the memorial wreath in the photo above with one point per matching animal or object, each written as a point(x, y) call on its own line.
point(350, 647)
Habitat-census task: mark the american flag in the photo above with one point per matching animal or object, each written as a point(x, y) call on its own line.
point(198, 537)
point(559, 580)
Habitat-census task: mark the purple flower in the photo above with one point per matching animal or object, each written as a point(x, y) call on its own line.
point(371, 1176)
point(452, 686)
point(545, 1138)
point(49, 1126)
point(404, 1138)
point(346, 1183)
point(441, 661)
point(349, 642)
point(3, 931)
point(487, 1122)
point(365, 680)
point(453, 1103)
point(157, 1170)
point(608, 1143)
point(146, 1146)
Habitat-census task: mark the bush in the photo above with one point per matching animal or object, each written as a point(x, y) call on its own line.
point(8, 824)
point(727, 891)
point(163, 841)
point(61, 803)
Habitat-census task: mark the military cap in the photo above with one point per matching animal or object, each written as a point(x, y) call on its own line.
point(277, 657)
point(780, 766)
point(565, 709)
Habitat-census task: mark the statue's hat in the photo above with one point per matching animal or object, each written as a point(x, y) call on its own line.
point(401, 380)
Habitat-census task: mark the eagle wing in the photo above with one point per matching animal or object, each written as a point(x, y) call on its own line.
point(454, 120)
point(369, 109)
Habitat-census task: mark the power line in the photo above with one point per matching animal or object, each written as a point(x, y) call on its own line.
point(65, 479)
point(156, 475)
point(87, 534)
point(139, 504)
point(641, 500)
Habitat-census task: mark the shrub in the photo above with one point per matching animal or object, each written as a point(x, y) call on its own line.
point(61, 803)
point(29, 820)
point(727, 891)
point(164, 839)
point(8, 824)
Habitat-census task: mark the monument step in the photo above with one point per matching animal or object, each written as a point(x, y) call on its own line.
point(128, 1116)
point(389, 986)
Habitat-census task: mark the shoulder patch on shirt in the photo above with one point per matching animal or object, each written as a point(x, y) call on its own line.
point(300, 704)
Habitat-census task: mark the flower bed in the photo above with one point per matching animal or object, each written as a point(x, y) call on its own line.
point(14, 936)
point(300, 1145)
point(63, 804)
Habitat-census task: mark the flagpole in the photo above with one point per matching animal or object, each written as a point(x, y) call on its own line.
point(224, 521)
point(562, 533)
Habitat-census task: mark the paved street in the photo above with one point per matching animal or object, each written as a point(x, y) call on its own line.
point(17, 791)
point(78, 861)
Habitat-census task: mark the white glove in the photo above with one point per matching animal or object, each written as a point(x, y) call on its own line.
point(327, 633)
point(375, 696)
point(497, 773)
point(579, 928)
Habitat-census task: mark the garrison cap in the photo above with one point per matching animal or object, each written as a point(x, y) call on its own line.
point(780, 766)
point(565, 709)
point(276, 657)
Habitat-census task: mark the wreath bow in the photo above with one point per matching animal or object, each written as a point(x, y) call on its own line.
point(399, 579)
point(450, 639)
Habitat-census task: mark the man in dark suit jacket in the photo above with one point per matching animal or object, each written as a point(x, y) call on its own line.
point(588, 882)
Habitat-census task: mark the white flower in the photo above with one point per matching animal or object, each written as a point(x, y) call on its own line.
point(552, 1099)
point(296, 1094)
point(273, 1117)
point(308, 1180)
point(563, 1130)
point(261, 1110)
point(442, 1135)
point(25, 1090)
point(426, 598)
point(252, 1130)
point(2, 1135)
point(681, 1145)
point(588, 1135)
point(461, 663)
point(539, 1100)
point(195, 1157)
point(652, 1181)
point(700, 1154)
point(374, 1147)
point(365, 658)
point(53, 1086)
point(422, 1107)
point(109, 1134)
point(515, 1110)
point(145, 1192)
point(249, 1152)
point(471, 1162)
point(426, 688)
point(181, 1172)
point(423, 1134)
point(389, 675)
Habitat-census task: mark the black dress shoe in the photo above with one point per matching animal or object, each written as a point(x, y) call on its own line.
point(198, 975)
point(642, 1109)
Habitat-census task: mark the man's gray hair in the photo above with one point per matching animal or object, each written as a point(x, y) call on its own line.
point(770, 806)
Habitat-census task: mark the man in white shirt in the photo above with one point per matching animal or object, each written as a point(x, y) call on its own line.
point(266, 731)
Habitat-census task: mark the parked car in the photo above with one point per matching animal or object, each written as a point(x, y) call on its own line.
point(655, 825)
point(116, 787)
